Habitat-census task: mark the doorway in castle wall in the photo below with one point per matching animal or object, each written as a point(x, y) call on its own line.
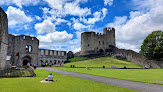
point(101, 51)
point(25, 62)
point(26, 59)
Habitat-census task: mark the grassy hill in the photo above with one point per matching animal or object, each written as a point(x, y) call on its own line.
point(103, 61)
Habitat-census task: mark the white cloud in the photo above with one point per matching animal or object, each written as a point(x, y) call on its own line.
point(19, 3)
point(38, 18)
point(17, 17)
point(80, 26)
point(45, 27)
point(26, 27)
point(65, 7)
point(74, 9)
point(56, 4)
point(59, 21)
point(54, 39)
point(130, 33)
point(108, 2)
point(97, 16)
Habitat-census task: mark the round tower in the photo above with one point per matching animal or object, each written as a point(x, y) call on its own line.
point(87, 43)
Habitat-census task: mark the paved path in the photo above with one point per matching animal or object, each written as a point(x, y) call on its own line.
point(146, 87)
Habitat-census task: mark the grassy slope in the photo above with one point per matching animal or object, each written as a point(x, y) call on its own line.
point(76, 59)
point(64, 84)
point(141, 75)
point(103, 61)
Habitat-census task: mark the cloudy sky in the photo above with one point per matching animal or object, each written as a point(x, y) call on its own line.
point(59, 23)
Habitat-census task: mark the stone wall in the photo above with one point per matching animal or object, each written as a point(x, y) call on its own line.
point(23, 49)
point(134, 57)
point(3, 38)
point(92, 43)
point(52, 56)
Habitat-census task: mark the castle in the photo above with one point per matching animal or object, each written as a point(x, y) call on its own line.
point(97, 44)
point(92, 43)
point(21, 49)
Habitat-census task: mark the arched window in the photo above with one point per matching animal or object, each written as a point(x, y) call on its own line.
point(28, 48)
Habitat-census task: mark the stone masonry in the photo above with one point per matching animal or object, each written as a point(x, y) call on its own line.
point(3, 38)
point(53, 57)
point(92, 43)
point(23, 49)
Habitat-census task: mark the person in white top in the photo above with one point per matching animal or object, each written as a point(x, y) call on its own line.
point(50, 78)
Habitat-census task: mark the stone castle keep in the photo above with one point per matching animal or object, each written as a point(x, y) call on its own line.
point(92, 43)
point(21, 49)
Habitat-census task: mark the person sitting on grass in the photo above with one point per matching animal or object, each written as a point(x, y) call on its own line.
point(88, 68)
point(50, 78)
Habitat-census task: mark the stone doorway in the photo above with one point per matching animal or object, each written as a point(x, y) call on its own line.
point(25, 62)
point(26, 59)
point(101, 51)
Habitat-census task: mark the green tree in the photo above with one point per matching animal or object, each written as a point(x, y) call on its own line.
point(152, 47)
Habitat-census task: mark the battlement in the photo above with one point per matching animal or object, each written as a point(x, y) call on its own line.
point(26, 38)
point(108, 30)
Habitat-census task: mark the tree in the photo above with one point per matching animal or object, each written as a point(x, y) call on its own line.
point(152, 47)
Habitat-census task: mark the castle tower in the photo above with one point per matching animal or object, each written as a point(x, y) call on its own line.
point(87, 43)
point(3, 38)
point(92, 43)
point(110, 36)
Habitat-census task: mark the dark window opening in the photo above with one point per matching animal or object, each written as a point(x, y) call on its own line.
point(99, 42)
point(88, 45)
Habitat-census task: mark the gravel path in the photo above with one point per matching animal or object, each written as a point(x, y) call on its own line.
point(146, 87)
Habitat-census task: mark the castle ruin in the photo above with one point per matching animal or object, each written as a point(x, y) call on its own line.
point(3, 38)
point(21, 49)
point(92, 42)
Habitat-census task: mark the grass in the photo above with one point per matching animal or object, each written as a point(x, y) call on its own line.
point(76, 59)
point(64, 84)
point(140, 75)
point(103, 61)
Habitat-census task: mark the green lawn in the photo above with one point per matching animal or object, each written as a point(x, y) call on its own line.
point(64, 84)
point(140, 75)
point(76, 59)
point(103, 61)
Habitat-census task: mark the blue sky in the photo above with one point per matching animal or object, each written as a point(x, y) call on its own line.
point(59, 23)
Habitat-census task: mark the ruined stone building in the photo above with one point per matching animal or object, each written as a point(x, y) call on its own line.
point(52, 56)
point(93, 43)
point(21, 49)
point(3, 38)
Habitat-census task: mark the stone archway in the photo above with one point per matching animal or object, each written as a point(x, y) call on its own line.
point(101, 51)
point(26, 59)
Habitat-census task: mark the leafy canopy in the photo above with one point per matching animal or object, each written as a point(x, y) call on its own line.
point(152, 47)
